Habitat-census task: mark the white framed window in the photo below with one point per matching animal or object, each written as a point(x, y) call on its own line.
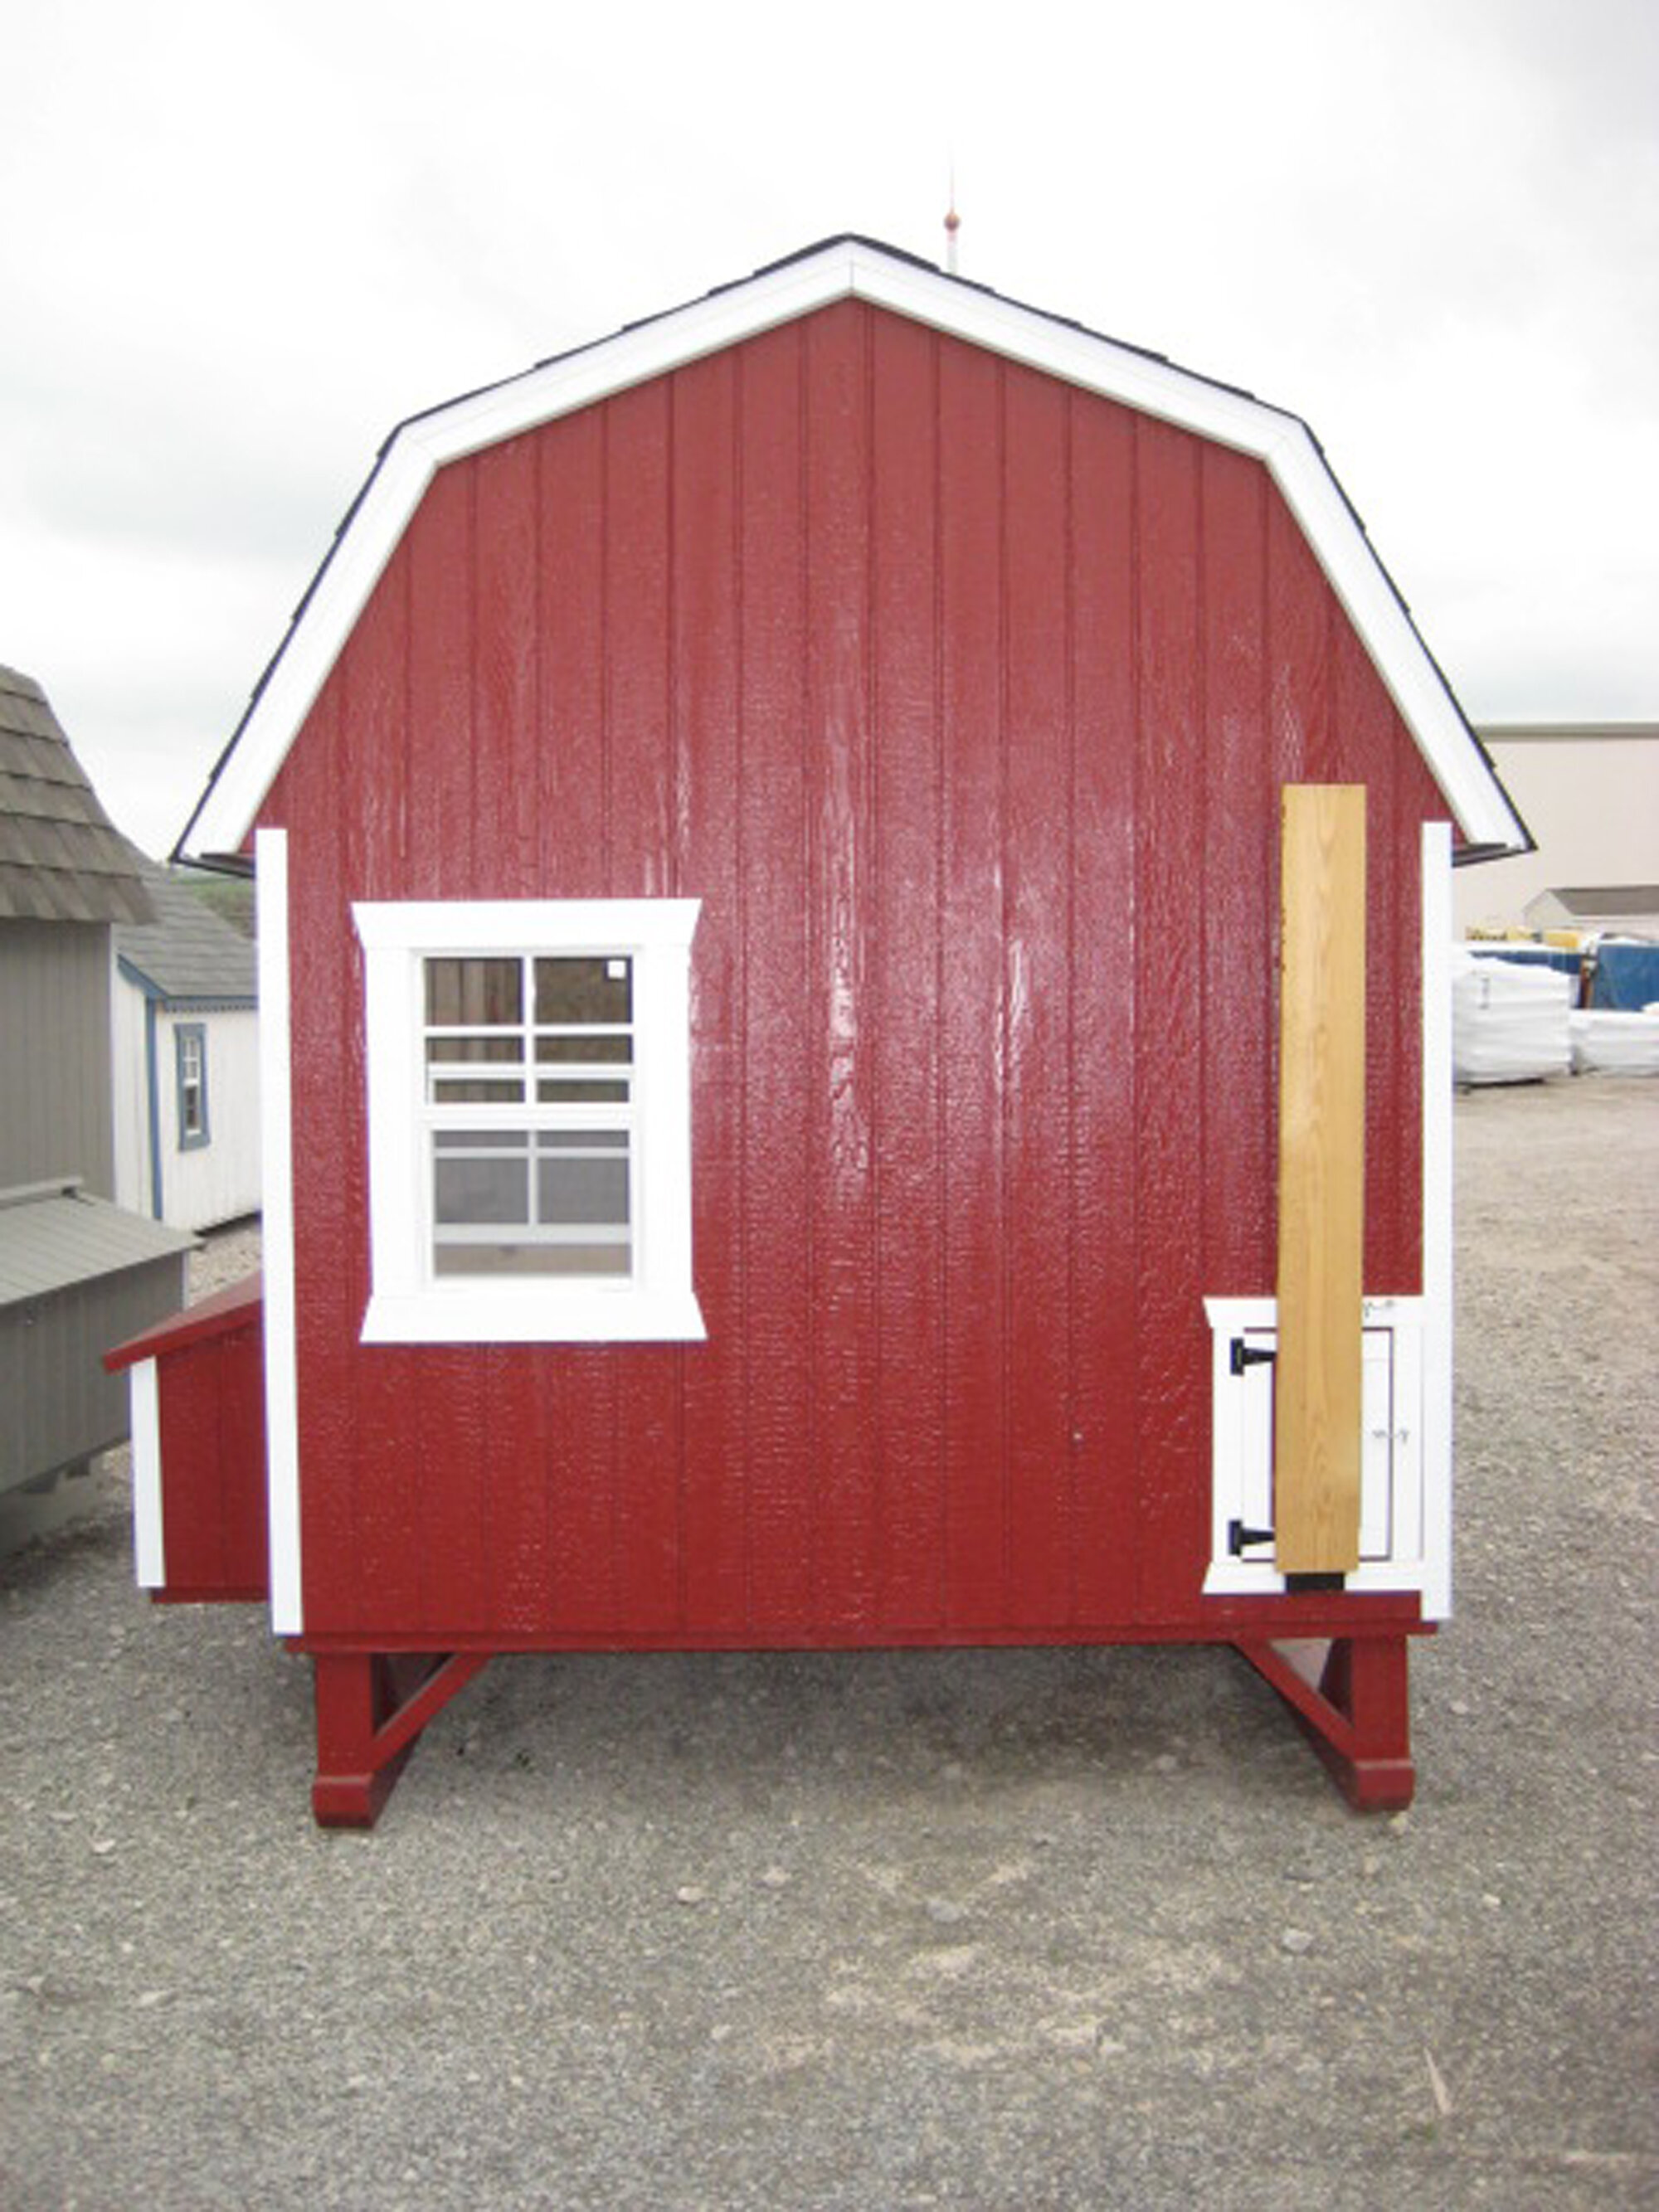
point(528, 1067)
point(190, 1059)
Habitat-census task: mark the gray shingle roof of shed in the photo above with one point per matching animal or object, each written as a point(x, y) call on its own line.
point(61, 857)
point(54, 1235)
point(188, 954)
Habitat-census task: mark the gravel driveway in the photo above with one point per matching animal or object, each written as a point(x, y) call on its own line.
point(986, 1930)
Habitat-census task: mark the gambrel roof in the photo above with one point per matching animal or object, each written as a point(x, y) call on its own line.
point(861, 269)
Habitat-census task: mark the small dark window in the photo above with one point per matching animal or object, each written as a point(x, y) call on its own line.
point(190, 1051)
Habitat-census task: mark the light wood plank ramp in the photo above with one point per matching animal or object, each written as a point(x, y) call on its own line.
point(1321, 1178)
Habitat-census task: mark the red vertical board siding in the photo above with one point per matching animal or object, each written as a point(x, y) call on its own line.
point(1036, 1256)
point(641, 846)
point(1395, 1193)
point(840, 869)
point(962, 701)
point(905, 958)
point(578, 1388)
point(1103, 934)
point(773, 1193)
point(242, 1457)
point(570, 598)
point(372, 694)
point(1172, 1347)
point(708, 771)
point(506, 670)
point(1239, 918)
point(1298, 629)
point(1362, 718)
point(506, 833)
point(450, 1394)
point(973, 1034)
point(213, 1465)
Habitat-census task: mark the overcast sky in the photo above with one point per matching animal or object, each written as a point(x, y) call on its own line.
point(240, 239)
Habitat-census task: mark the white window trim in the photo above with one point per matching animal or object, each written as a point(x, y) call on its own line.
point(408, 1304)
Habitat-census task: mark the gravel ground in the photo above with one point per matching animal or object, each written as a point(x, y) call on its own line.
point(978, 1930)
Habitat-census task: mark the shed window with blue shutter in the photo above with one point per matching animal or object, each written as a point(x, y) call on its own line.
point(190, 1061)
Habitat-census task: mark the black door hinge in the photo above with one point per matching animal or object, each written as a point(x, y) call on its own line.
point(1238, 1535)
point(1242, 1355)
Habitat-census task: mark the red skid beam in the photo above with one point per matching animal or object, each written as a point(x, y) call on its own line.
point(371, 1708)
point(1350, 1695)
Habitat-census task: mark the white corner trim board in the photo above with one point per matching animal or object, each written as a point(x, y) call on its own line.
point(148, 1546)
point(856, 269)
point(1438, 1218)
point(277, 1169)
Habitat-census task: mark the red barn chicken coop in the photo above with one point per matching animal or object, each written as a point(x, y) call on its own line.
point(853, 884)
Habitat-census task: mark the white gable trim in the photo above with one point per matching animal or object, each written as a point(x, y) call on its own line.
point(852, 268)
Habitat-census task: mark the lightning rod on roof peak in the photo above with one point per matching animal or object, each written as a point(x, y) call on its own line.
point(952, 225)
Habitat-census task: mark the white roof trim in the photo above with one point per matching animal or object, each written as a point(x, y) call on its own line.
point(852, 268)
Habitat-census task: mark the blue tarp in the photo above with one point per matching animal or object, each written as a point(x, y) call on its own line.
point(1626, 977)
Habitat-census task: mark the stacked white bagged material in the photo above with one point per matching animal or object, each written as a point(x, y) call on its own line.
point(1615, 1044)
point(1509, 1022)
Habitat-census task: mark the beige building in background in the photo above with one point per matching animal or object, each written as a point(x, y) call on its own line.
point(1589, 794)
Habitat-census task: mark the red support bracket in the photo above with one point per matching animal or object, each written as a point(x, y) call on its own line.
point(1350, 1695)
point(371, 1708)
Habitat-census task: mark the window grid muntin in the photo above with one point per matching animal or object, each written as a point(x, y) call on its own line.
point(533, 1114)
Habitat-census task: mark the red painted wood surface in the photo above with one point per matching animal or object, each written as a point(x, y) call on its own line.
point(962, 700)
point(210, 1367)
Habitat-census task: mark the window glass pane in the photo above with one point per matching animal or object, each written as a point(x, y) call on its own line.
point(473, 992)
point(577, 1092)
point(575, 1191)
point(588, 1048)
point(600, 989)
point(582, 1141)
point(473, 1048)
point(479, 1093)
point(473, 1188)
point(486, 1140)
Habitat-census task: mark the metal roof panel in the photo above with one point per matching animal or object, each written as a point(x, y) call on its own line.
point(54, 1236)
